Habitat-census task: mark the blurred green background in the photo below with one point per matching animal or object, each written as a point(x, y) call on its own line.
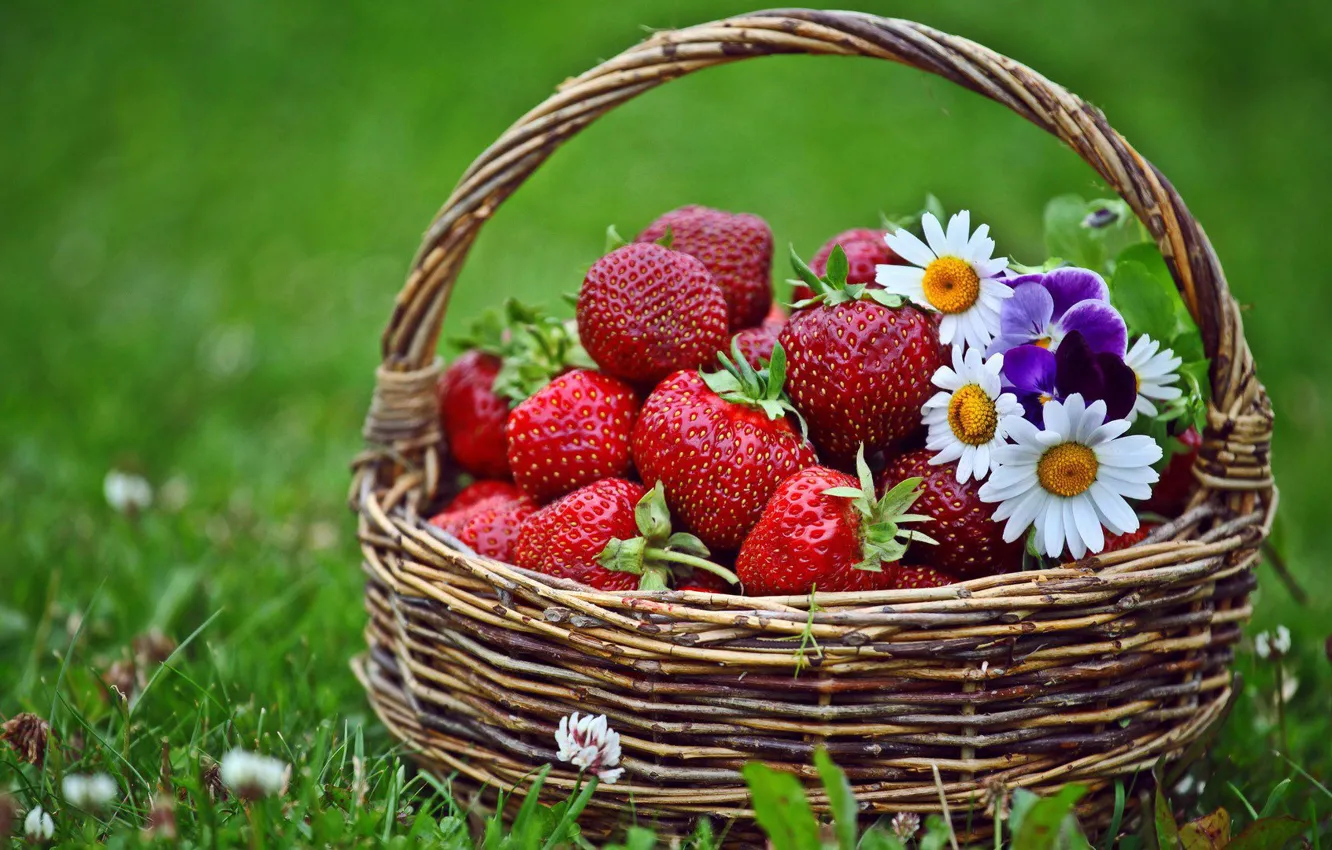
point(206, 209)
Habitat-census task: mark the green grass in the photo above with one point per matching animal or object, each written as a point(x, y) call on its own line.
point(205, 210)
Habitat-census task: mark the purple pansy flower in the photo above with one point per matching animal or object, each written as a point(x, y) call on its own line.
point(1045, 308)
point(1037, 375)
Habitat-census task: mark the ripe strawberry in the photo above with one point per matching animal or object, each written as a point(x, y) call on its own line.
point(736, 248)
point(721, 443)
point(473, 414)
point(479, 491)
point(612, 534)
point(646, 311)
point(701, 582)
point(824, 530)
point(490, 528)
point(1117, 542)
point(864, 249)
point(571, 432)
point(505, 359)
point(1171, 493)
point(860, 364)
point(456, 512)
point(756, 343)
point(909, 577)
point(970, 543)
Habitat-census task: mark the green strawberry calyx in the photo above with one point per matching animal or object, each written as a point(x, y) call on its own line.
point(832, 288)
point(883, 539)
point(533, 348)
point(658, 554)
point(740, 383)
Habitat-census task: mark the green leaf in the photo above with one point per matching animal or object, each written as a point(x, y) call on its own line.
point(877, 838)
point(805, 273)
point(936, 833)
point(935, 207)
point(1049, 822)
point(667, 239)
point(1267, 834)
point(780, 807)
point(1145, 301)
point(776, 372)
point(1274, 798)
point(682, 541)
point(623, 556)
point(844, 492)
point(652, 516)
point(840, 798)
point(1066, 237)
point(838, 266)
point(1167, 831)
point(614, 240)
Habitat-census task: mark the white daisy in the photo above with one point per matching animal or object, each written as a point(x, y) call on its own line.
point(1156, 369)
point(955, 274)
point(252, 776)
point(966, 421)
point(1071, 477)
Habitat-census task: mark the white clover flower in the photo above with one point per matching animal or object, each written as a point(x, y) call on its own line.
point(1071, 478)
point(1281, 642)
point(89, 792)
point(956, 274)
point(251, 776)
point(1156, 369)
point(1262, 644)
point(126, 492)
point(906, 824)
point(966, 420)
point(589, 743)
point(38, 825)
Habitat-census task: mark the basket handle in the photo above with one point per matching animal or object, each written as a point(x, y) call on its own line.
point(1239, 402)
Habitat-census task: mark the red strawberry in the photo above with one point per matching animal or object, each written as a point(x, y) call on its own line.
point(479, 491)
point(646, 311)
point(611, 535)
point(860, 364)
point(721, 443)
point(864, 249)
point(473, 414)
point(701, 582)
point(505, 360)
point(736, 248)
point(491, 527)
point(1116, 542)
point(909, 577)
point(1171, 493)
point(824, 530)
point(970, 543)
point(571, 432)
point(756, 344)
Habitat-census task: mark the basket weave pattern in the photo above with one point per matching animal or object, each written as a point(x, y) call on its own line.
point(1089, 672)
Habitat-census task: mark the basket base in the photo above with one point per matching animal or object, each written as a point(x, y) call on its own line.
point(602, 821)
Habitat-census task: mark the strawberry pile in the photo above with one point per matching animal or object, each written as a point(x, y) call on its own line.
point(685, 431)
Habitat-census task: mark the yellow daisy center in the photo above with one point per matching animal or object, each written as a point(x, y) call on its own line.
point(1067, 469)
point(972, 415)
point(951, 285)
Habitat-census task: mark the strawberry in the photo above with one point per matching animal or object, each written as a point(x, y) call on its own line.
point(702, 582)
point(481, 490)
point(735, 247)
point(473, 414)
point(910, 577)
point(825, 530)
point(756, 344)
point(646, 311)
point(860, 364)
point(864, 249)
point(970, 543)
point(571, 432)
point(721, 443)
point(1117, 542)
point(490, 528)
point(504, 360)
point(1171, 493)
point(612, 534)
point(456, 511)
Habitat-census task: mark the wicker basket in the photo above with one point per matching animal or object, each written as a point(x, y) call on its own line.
point(1091, 672)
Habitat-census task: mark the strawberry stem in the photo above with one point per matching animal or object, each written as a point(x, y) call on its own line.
point(691, 561)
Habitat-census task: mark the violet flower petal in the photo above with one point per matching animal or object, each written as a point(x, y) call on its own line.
point(1076, 368)
point(1029, 371)
point(1100, 325)
point(1068, 286)
point(1119, 385)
